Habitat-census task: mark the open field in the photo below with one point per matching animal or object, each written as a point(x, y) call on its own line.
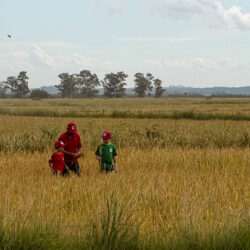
point(31, 134)
point(168, 108)
point(182, 184)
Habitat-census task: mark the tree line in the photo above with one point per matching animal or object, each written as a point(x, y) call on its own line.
point(84, 85)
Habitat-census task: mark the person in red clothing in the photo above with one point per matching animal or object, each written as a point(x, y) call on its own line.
point(56, 161)
point(72, 149)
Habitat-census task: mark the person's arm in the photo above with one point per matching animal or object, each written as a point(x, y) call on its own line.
point(98, 158)
point(115, 163)
point(79, 152)
point(62, 137)
point(97, 154)
point(65, 165)
point(79, 149)
point(51, 164)
point(69, 153)
point(115, 159)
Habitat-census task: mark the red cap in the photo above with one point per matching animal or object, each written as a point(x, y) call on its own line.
point(71, 127)
point(106, 135)
point(59, 144)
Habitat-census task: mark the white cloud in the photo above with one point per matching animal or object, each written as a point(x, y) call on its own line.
point(211, 10)
point(44, 68)
point(18, 55)
point(204, 64)
point(112, 6)
point(199, 72)
point(39, 56)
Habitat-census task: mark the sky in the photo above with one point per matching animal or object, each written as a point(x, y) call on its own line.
point(196, 43)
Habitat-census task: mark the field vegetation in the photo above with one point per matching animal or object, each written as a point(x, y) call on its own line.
point(182, 183)
point(164, 108)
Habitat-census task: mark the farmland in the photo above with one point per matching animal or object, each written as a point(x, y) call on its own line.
point(183, 180)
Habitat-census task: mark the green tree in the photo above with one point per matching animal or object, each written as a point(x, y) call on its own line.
point(39, 93)
point(87, 84)
point(114, 84)
point(68, 85)
point(158, 88)
point(2, 90)
point(11, 84)
point(143, 84)
point(18, 86)
point(22, 85)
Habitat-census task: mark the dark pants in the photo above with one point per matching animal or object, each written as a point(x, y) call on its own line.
point(73, 167)
point(64, 174)
point(106, 166)
point(106, 171)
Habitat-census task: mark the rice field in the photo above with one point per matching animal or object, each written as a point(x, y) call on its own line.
point(168, 108)
point(181, 184)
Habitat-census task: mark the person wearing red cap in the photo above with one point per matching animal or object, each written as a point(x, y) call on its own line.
point(56, 161)
point(106, 154)
point(72, 149)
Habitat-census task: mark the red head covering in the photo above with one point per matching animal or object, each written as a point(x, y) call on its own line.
point(71, 127)
point(106, 135)
point(59, 144)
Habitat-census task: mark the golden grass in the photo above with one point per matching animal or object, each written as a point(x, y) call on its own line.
point(175, 176)
point(168, 191)
point(85, 107)
point(30, 134)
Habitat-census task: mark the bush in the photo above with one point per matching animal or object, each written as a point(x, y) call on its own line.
point(115, 229)
point(38, 94)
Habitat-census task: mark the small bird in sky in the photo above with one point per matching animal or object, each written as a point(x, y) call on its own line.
point(9, 36)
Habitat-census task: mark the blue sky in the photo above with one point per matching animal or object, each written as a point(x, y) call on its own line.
point(198, 43)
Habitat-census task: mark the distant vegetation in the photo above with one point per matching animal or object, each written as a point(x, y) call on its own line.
point(235, 109)
point(87, 85)
point(139, 123)
point(183, 181)
point(38, 93)
point(83, 85)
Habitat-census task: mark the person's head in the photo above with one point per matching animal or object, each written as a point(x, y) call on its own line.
point(71, 128)
point(59, 146)
point(106, 135)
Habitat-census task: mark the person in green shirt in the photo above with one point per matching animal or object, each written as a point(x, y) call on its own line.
point(106, 154)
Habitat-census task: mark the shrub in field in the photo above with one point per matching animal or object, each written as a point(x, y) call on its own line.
point(37, 94)
point(115, 229)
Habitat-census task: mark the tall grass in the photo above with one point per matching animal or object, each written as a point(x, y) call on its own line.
point(176, 115)
point(114, 229)
point(31, 134)
point(172, 197)
point(182, 183)
point(112, 236)
point(13, 237)
point(150, 108)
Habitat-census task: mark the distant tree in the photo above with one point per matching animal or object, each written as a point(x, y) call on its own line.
point(18, 86)
point(39, 93)
point(11, 84)
point(68, 85)
point(2, 90)
point(87, 84)
point(158, 88)
point(114, 84)
point(143, 84)
point(22, 85)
